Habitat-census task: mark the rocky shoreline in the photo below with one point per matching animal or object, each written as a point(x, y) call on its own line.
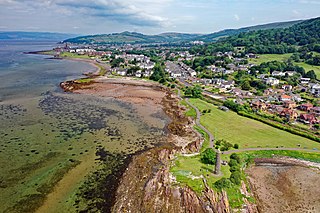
point(146, 184)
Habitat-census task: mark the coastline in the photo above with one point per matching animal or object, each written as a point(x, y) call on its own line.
point(143, 93)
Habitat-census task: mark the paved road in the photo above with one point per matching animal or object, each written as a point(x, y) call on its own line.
point(268, 149)
point(211, 138)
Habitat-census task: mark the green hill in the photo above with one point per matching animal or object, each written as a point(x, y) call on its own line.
point(229, 32)
point(133, 37)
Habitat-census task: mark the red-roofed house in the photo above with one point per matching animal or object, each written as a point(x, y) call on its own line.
point(308, 119)
point(306, 107)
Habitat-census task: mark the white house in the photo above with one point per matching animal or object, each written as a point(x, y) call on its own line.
point(272, 81)
point(278, 74)
point(315, 89)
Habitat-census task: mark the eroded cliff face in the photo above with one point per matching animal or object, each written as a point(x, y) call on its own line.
point(147, 185)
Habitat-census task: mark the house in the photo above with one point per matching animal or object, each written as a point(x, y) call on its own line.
point(289, 104)
point(122, 72)
point(176, 74)
point(272, 81)
point(289, 114)
point(297, 98)
point(258, 105)
point(251, 55)
point(304, 80)
point(192, 73)
point(290, 73)
point(306, 107)
point(285, 98)
point(287, 87)
point(278, 74)
point(315, 110)
point(308, 119)
point(315, 89)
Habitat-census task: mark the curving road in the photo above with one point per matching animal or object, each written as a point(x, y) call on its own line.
point(211, 138)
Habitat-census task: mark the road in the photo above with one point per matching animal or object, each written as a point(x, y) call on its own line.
point(211, 138)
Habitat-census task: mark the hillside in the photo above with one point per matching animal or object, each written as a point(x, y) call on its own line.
point(229, 32)
point(303, 37)
point(18, 35)
point(133, 37)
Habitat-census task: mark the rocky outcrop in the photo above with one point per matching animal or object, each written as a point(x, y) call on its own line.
point(141, 191)
point(69, 86)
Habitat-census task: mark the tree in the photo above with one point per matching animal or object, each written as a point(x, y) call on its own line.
point(235, 177)
point(311, 74)
point(246, 85)
point(223, 183)
point(208, 156)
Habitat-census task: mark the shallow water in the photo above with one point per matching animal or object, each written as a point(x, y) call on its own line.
point(43, 130)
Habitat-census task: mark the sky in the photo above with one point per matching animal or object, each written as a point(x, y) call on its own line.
point(148, 16)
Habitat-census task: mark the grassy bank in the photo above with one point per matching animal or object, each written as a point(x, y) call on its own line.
point(246, 132)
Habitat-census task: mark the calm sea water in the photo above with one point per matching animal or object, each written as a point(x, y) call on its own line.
point(29, 75)
point(43, 130)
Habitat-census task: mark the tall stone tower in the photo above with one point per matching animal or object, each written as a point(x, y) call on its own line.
point(218, 163)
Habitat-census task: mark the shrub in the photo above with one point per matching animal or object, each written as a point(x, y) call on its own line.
point(236, 157)
point(222, 183)
point(208, 156)
point(236, 146)
point(235, 177)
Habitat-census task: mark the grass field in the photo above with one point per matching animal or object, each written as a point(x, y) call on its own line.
point(246, 132)
point(284, 57)
point(188, 171)
point(270, 57)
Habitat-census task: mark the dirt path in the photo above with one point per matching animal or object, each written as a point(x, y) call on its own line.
point(64, 189)
point(211, 138)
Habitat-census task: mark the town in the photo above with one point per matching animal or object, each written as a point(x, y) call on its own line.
point(287, 96)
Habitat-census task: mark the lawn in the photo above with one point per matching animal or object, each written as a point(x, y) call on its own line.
point(270, 57)
point(284, 57)
point(188, 170)
point(246, 132)
point(309, 67)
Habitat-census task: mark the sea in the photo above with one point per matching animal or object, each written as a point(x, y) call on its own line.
point(45, 133)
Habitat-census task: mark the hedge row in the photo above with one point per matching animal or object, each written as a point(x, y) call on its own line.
point(279, 126)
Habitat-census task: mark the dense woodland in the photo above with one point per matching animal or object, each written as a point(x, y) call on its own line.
point(301, 38)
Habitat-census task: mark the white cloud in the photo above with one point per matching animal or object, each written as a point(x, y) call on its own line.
point(136, 13)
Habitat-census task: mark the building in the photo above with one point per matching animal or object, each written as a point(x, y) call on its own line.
point(315, 89)
point(306, 107)
point(272, 81)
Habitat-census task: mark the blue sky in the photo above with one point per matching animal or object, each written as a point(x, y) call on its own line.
point(148, 16)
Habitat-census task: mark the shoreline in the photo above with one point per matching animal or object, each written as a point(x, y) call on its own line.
point(168, 105)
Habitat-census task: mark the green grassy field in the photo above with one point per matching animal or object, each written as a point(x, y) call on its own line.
point(270, 57)
point(74, 55)
point(188, 171)
point(284, 57)
point(246, 132)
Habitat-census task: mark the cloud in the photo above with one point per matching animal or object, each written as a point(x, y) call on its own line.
point(236, 16)
point(136, 13)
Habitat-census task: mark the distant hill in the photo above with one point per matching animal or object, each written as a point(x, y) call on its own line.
point(229, 32)
point(18, 35)
point(302, 37)
point(133, 37)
